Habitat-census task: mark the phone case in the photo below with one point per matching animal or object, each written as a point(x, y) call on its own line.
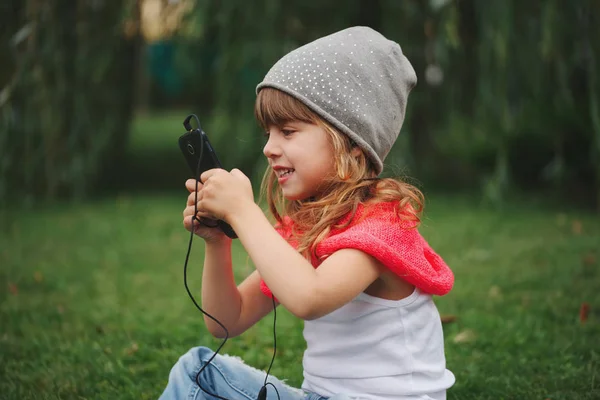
point(191, 144)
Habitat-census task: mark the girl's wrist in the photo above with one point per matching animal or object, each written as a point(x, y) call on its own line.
point(220, 240)
point(246, 214)
point(242, 212)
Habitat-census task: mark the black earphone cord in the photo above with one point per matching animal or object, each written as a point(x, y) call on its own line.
point(263, 390)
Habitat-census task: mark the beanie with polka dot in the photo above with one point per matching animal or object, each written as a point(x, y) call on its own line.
point(356, 80)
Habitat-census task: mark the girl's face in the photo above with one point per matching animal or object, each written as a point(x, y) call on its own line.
point(302, 157)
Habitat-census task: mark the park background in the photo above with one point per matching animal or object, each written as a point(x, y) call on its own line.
point(502, 135)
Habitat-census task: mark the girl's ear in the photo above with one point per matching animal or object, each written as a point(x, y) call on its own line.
point(356, 151)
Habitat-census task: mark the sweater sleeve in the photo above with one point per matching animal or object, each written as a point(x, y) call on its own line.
point(395, 243)
point(400, 248)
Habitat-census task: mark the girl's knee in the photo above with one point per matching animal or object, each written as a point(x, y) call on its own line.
point(192, 361)
point(182, 378)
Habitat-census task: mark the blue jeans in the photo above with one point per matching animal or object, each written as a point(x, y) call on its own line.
point(227, 377)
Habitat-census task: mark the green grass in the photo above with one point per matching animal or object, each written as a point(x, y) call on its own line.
point(92, 303)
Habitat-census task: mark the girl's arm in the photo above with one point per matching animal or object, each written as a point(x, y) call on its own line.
point(307, 292)
point(237, 308)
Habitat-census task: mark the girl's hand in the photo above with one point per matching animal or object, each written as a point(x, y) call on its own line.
point(207, 227)
point(225, 194)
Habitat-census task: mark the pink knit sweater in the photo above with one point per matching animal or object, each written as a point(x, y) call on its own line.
point(378, 231)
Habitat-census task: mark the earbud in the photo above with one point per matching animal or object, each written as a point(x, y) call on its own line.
point(262, 394)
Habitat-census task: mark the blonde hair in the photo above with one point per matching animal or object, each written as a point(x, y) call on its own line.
point(353, 183)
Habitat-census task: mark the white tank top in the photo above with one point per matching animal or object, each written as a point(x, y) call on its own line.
point(376, 349)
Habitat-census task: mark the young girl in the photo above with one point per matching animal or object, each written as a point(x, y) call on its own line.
point(345, 254)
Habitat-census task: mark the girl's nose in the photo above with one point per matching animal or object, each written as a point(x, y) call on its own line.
point(271, 149)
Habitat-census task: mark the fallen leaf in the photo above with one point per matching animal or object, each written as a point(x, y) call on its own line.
point(589, 259)
point(13, 289)
point(465, 336)
point(577, 227)
point(38, 277)
point(132, 349)
point(495, 292)
point(583, 312)
point(446, 319)
point(60, 309)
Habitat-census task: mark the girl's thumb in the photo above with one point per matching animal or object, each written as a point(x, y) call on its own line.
point(238, 174)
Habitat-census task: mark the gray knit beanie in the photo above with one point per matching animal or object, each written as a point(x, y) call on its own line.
point(356, 80)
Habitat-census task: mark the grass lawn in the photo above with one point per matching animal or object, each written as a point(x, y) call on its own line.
point(92, 303)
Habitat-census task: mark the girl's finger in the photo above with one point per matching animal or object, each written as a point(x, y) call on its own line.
point(190, 185)
point(189, 210)
point(192, 197)
point(205, 215)
point(204, 220)
point(187, 222)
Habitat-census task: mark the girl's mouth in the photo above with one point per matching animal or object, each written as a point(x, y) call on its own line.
point(284, 172)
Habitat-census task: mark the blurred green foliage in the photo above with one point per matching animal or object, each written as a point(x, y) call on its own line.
point(508, 93)
point(67, 98)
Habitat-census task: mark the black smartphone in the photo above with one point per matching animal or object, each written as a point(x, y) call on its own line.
point(201, 156)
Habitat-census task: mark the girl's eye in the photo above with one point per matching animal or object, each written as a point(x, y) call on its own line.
point(287, 132)
point(267, 134)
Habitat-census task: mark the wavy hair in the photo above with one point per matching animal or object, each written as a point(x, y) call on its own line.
point(353, 183)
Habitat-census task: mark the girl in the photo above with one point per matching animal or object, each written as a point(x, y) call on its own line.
point(345, 254)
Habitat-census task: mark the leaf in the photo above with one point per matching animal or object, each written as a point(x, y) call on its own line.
point(132, 349)
point(13, 289)
point(589, 259)
point(465, 336)
point(577, 227)
point(583, 312)
point(495, 292)
point(447, 319)
point(38, 277)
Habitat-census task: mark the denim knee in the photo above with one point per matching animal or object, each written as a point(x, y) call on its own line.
point(227, 377)
point(191, 362)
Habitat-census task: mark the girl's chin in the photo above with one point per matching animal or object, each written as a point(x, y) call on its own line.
point(290, 194)
point(296, 196)
point(293, 196)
